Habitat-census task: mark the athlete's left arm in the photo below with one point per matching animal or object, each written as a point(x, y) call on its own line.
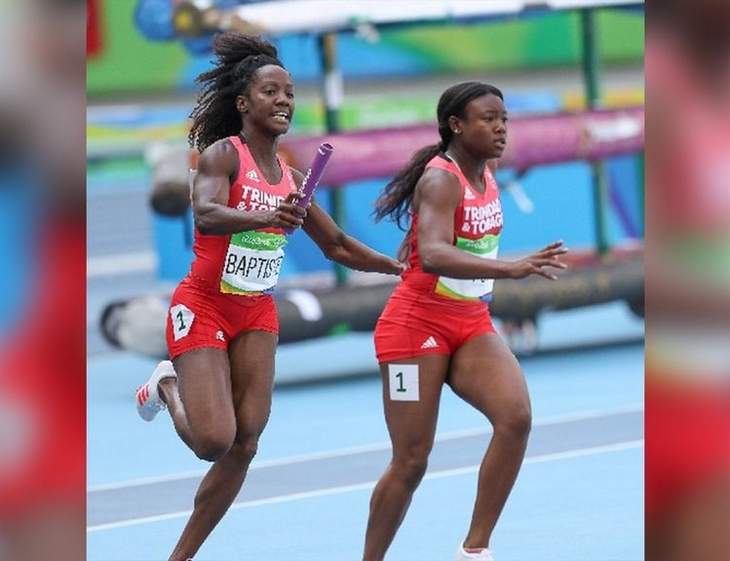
point(338, 246)
point(346, 250)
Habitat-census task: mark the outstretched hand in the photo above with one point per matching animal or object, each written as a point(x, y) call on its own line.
point(538, 262)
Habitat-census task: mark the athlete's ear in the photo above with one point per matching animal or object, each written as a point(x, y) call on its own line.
point(241, 104)
point(455, 124)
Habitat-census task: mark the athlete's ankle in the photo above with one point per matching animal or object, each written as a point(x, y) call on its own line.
point(166, 387)
point(476, 544)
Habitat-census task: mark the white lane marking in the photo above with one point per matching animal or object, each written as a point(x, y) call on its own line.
point(121, 263)
point(577, 453)
point(347, 451)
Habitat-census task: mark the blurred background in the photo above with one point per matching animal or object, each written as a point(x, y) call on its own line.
point(688, 356)
point(42, 244)
point(368, 76)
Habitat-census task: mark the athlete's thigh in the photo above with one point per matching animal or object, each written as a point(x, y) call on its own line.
point(252, 374)
point(486, 374)
point(204, 382)
point(411, 395)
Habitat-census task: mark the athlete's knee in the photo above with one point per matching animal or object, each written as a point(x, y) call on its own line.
point(250, 426)
point(411, 465)
point(245, 447)
point(213, 446)
point(515, 423)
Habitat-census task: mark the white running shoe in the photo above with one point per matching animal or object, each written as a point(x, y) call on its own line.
point(483, 555)
point(148, 399)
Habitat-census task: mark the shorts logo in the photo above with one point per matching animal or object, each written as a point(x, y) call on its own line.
point(219, 335)
point(430, 343)
point(252, 175)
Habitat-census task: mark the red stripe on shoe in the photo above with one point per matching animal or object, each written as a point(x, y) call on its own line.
point(142, 394)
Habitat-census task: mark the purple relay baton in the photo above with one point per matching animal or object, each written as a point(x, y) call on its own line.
point(313, 175)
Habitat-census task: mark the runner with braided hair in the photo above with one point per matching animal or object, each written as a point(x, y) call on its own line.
point(222, 326)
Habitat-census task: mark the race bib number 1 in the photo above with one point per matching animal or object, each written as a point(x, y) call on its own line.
point(182, 320)
point(403, 382)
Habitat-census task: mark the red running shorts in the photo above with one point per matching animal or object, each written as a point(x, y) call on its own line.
point(416, 323)
point(201, 316)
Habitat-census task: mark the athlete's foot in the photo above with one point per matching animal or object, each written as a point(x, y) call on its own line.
point(148, 398)
point(473, 554)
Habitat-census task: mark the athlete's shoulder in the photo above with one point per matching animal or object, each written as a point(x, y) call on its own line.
point(441, 170)
point(440, 185)
point(440, 161)
point(224, 146)
point(222, 155)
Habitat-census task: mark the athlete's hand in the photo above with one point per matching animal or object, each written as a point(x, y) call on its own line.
point(397, 267)
point(295, 200)
point(537, 263)
point(289, 214)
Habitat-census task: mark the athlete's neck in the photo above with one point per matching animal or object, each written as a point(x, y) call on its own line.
point(263, 150)
point(471, 167)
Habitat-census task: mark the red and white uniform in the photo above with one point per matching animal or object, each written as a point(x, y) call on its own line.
point(228, 289)
point(432, 314)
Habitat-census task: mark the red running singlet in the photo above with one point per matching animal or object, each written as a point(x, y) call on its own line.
point(478, 223)
point(229, 287)
point(433, 314)
point(247, 262)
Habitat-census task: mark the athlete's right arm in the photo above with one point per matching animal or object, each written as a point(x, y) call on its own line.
point(439, 194)
point(217, 165)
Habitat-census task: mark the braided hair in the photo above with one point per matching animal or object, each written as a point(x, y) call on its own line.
point(238, 57)
point(395, 200)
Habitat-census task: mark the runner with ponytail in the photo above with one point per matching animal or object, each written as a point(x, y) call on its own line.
point(436, 328)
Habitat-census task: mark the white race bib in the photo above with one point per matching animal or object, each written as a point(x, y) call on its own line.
point(485, 248)
point(253, 262)
point(403, 382)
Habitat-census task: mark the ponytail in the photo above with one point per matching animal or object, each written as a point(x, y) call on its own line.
point(395, 201)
